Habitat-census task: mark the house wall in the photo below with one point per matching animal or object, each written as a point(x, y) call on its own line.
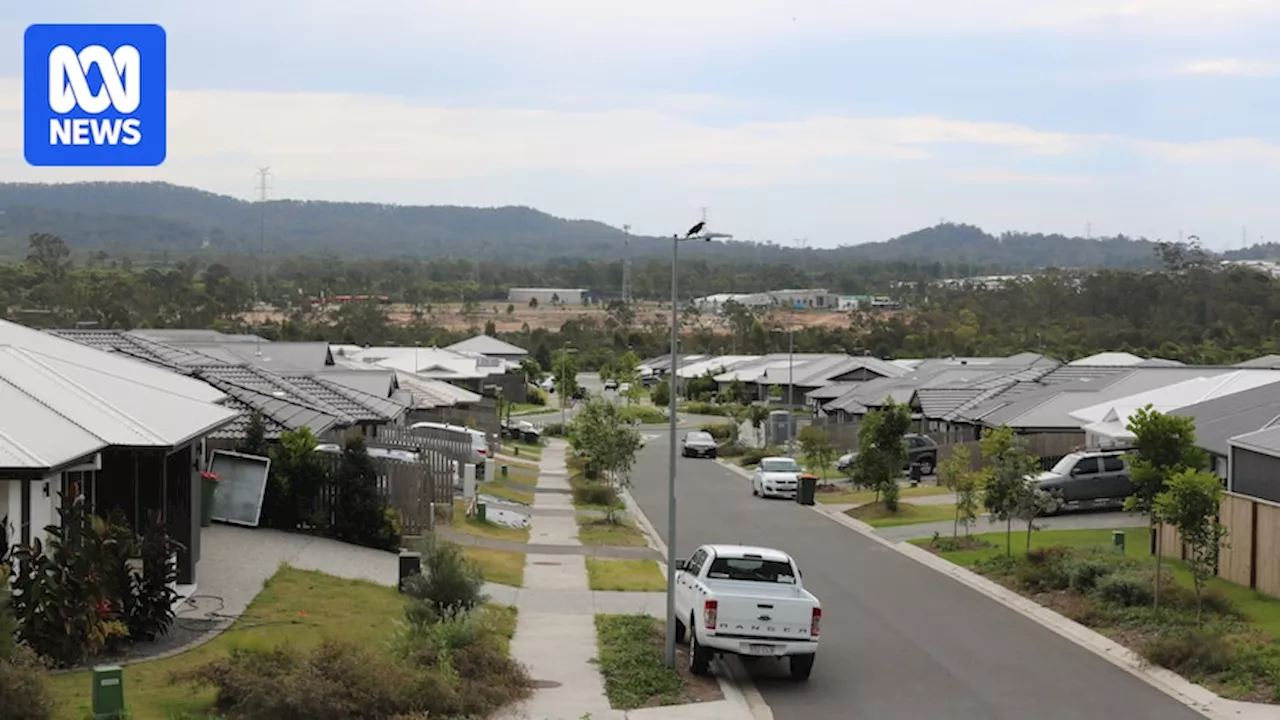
point(1254, 474)
point(42, 511)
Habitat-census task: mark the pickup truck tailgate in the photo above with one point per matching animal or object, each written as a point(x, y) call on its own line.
point(770, 612)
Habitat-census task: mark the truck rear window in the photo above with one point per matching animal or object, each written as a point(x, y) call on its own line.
point(751, 570)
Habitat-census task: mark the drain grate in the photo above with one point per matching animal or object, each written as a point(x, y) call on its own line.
point(543, 684)
point(546, 563)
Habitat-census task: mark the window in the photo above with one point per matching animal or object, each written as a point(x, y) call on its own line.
point(695, 562)
point(752, 570)
point(1112, 463)
point(1086, 466)
point(779, 465)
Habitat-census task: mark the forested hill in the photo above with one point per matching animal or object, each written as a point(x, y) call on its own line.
point(159, 218)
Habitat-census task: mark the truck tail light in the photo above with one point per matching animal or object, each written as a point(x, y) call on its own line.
point(815, 622)
point(709, 609)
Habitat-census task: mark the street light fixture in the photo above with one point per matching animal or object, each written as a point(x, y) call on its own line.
point(698, 232)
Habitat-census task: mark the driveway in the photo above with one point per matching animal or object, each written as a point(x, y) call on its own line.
point(900, 641)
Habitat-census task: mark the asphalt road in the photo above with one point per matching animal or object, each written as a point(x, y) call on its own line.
point(899, 641)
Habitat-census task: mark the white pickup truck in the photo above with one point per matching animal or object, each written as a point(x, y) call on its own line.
point(745, 601)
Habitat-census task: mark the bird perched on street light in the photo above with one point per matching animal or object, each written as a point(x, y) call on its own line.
point(695, 229)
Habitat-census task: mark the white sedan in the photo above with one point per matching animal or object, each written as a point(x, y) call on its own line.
point(776, 477)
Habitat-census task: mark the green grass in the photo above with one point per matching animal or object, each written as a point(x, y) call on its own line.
point(1136, 542)
point(625, 575)
point(598, 531)
point(485, 528)
point(527, 450)
point(300, 607)
point(506, 492)
point(577, 481)
point(631, 661)
point(861, 497)
point(499, 566)
point(875, 514)
point(526, 475)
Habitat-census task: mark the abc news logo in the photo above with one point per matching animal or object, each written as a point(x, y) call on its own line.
point(94, 95)
point(69, 90)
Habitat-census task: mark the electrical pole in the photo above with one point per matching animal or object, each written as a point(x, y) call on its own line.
point(626, 265)
point(264, 185)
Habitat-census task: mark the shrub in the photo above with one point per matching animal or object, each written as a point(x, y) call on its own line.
point(1087, 572)
point(731, 449)
point(449, 586)
point(1044, 570)
point(1131, 588)
point(753, 456)
point(360, 511)
point(554, 429)
point(642, 414)
point(1190, 651)
point(473, 655)
point(595, 493)
point(706, 408)
point(339, 679)
point(24, 686)
point(719, 431)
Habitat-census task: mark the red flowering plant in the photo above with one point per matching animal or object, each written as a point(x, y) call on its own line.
point(210, 475)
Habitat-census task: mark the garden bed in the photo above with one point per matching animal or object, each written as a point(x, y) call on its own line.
point(842, 494)
point(1077, 573)
point(631, 659)
point(297, 607)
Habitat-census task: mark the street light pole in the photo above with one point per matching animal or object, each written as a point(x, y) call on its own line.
point(671, 460)
point(671, 411)
point(564, 382)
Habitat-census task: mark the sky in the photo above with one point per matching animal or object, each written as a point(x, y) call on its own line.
point(832, 121)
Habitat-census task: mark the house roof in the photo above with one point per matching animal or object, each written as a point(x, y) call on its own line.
point(823, 370)
point(1221, 418)
point(282, 356)
point(60, 407)
point(432, 363)
point(1271, 362)
point(1265, 441)
point(279, 414)
point(715, 364)
point(421, 393)
point(486, 345)
point(1109, 359)
point(347, 405)
point(379, 382)
point(1110, 417)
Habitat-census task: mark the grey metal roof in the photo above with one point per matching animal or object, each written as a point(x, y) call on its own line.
point(486, 345)
point(135, 346)
point(822, 370)
point(1264, 441)
point(835, 390)
point(60, 404)
point(379, 382)
point(281, 356)
point(189, 335)
point(1265, 362)
point(1222, 418)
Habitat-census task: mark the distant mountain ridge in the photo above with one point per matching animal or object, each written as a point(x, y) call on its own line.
point(152, 218)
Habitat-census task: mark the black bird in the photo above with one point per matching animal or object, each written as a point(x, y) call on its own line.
point(695, 229)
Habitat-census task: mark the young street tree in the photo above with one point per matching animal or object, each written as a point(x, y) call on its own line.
point(1034, 502)
point(954, 473)
point(816, 446)
point(1165, 446)
point(882, 452)
point(564, 373)
point(1190, 503)
point(606, 441)
point(1005, 483)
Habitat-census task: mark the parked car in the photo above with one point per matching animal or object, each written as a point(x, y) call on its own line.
point(1092, 479)
point(699, 444)
point(610, 384)
point(920, 449)
point(776, 477)
point(749, 602)
point(475, 438)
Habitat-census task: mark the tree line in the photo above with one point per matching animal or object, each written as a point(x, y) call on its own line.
point(1189, 308)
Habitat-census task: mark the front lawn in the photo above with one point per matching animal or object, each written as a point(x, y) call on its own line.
point(522, 449)
point(599, 531)
point(1080, 574)
point(485, 528)
point(499, 566)
point(525, 475)
point(625, 575)
point(506, 492)
point(298, 607)
point(635, 676)
point(862, 497)
point(877, 515)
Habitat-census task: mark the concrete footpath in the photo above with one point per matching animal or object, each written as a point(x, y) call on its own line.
point(555, 632)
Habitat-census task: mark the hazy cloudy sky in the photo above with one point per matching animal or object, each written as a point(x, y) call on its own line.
point(837, 120)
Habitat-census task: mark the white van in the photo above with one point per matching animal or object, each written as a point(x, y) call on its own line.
point(479, 442)
point(377, 452)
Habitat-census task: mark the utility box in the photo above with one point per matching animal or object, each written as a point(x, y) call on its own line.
point(469, 481)
point(108, 692)
point(410, 565)
point(779, 428)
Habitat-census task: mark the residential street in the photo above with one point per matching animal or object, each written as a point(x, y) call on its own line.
point(899, 641)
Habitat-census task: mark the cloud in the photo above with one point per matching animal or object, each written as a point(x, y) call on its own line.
point(1238, 67)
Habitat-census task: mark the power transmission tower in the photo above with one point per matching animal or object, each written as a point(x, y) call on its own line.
point(626, 265)
point(264, 185)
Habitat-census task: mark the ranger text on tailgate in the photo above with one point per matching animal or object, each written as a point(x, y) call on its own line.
point(745, 601)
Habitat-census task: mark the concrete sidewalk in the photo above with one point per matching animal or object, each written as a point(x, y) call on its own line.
point(555, 631)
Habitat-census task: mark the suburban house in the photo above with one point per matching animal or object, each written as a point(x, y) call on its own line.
point(128, 433)
point(1220, 419)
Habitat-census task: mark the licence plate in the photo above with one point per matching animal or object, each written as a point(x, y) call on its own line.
point(761, 649)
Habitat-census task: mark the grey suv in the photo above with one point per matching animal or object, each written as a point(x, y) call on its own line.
point(920, 449)
point(1090, 479)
